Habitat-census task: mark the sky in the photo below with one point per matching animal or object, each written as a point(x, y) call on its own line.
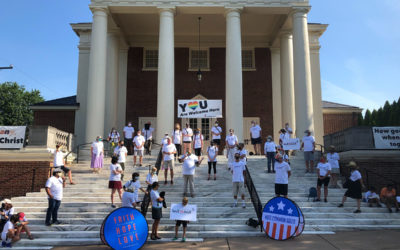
point(359, 55)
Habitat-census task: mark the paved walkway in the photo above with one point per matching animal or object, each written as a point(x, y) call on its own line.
point(384, 239)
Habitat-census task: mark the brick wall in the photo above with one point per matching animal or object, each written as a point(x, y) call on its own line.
point(63, 119)
point(16, 177)
point(338, 122)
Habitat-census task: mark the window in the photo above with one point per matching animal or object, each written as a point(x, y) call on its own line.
point(205, 128)
point(248, 59)
point(193, 123)
point(150, 60)
point(199, 57)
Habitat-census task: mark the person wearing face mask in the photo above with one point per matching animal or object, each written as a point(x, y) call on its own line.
point(324, 175)
point(282, 175)
point(333, 159)
point(122, 153)
point(212, 153)
point(187, 138)
point(138, 143)
point(197, 142)
point(288, 130)
point(128, 137)
point(147, 132)
point(113, 139)
point(231, 143)
point(97, 155)
point(114, 182)
point(131, 188)
point(270, 151)
point(255, 135)
point(152, 176)
point(238, 169)
point(308, 144)
point(216, 132)
point(177, 139)
point(54, 189)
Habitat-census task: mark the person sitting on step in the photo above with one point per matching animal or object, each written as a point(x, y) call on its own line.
point(22, 226)
point(9, 233)
point(371, 197)
point(388, 197)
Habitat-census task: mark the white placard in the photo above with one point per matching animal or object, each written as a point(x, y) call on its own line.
point(200, 108)
point(180, 212)
point(12, 136)
point(386, 137)
point(291, 144)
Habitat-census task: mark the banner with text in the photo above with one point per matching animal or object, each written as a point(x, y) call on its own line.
point(200, 108)
point(386, 137)
point(291, 144)
point(180, 212)
point(12, 136)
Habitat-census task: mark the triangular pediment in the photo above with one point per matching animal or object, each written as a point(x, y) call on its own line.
point(199, 97)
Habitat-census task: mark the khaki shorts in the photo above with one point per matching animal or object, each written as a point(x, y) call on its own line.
point(138, 152)
point(238, 188)
point(169, 164)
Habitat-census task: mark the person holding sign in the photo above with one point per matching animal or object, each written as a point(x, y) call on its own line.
point(156, 210)
point(308, 144)
point(324, 175)
point(187, 138)
point(255, 135)
point(231, 144)
point(238, 168)
point(184, 223)
point(270, 151)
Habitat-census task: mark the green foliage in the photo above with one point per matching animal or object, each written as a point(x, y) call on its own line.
point(389, 115)
point(14, 104)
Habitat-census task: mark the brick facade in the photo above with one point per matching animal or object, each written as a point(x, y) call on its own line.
point(334, 122)
point(60, 119)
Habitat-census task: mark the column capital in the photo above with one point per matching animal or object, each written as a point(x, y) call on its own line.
point(286, 34)
point(233, 11)
point(297, 12)
point(166, 10)
point(101, 11)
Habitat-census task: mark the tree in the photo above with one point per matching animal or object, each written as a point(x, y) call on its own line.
point(360, 119)
point(14, 104)
point(367, 118)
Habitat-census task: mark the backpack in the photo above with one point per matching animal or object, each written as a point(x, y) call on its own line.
point(252, 222)
point(312, 193)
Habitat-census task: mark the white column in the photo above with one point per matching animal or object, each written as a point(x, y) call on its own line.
point(233, 86)
point(276, 92)
point(302, 73)
point(111, 98)
point(97, 76)
point(166, 68)
point(317, 96)
point(287, 79)
point(122, 84)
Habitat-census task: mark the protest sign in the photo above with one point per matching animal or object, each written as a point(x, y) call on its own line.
point(12, 136)
point(180, 212)
point(199, 108)
point(291, 144)
point(386, 137)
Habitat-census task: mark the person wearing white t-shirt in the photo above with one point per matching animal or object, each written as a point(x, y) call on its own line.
point(113, 139)
point(324, 175)
point(156, 210)
point(97, 153)
point(138, 143)
point(237, 169)
point(288, 130)
point(152, 176)
point(114, 182)
point(8, 211)
point(283, 135)
point(189, 163)
point(355, 185)
point(231, 142)
point(197, 142)
point(371, 197)
point(128, 137)
point(282, 175)
point(212, 153)
point(270, 152)
point(122, 153)
point(54, 189)
point(168, 150)
point(177, 139)
point(59, 162)
point(216, 132)
point(255, 135)
point(187, 134)
point(131, 188)
point(308, 144)
point(9, 234)
point(147, 133)
point(333, 158)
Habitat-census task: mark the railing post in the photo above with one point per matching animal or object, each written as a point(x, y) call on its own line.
point(33, 179)
point(77, 154)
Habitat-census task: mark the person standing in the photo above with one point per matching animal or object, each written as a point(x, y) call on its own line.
point(216, 132)
point(255, 135)
point(122, 153)
point(283, 135)
point(156, 210)
point(282, 176)
point(177, 139)
point(168, 150)
point(187, 133)
point(333, 159)
point(212, 153)
point(97, 155)
point(147, 132)
point(133, 186)
point(198, 142)
point(231, 144)
point(114, 182)
point(237, 169)
point(59, 162)
point(113, 139)
point(138, 143)
point(308, 144)
point(54, 189)
point(354, 186)
point(128, 137)
point(184, 223)
point(288, 130)
point(323, 173)
point(152, 176)
point(190, 162)
point(270, 152)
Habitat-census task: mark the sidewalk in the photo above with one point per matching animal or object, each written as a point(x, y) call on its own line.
point(384, 239)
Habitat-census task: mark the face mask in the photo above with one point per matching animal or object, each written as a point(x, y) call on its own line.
point(268, 140)
point(129, 125)
point(237, 158)
point(122, 145)
point(136, 178)
point(253, 124)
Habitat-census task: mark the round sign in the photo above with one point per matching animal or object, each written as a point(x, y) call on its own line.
point(300, 228)
point(124, 228)
point(280, 218)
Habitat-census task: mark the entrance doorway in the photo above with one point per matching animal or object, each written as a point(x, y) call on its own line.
point(204, 124)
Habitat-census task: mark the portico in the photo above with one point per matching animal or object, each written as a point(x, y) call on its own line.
point(110, 88)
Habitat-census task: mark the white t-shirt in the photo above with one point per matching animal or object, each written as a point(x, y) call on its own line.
point(237, 171)
point(284, 136)
point(231, 140)
point(98, 147)
point(169, 148)
point(217, 130)
point(355, 175)
point(255, 132)
point(324, 168)
point(133, 185)
point(121, 152)
point(56, 187)
point(114, 136)
point(115, 177)
point(139, 140)
point(154, 195)
point(188, 166)
point(281, 175)
point(148, 134)
point(177, 136)
point(9, 225)
point(8, 212)
point(241, 153)
point(269, 147)
point(189, 133)
point(308, 143)
point(371, 195)
point(212, 152)
point(164, 140)
point(127, 199)
point(289, 131)
point(333, 159)
point(197, 140)
point(58, 159)
point(129, 132)
point(151, 178)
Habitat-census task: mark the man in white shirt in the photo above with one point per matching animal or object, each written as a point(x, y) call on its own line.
point(54, 189)
point(168, 150)
point(289, 130)
point(231, 143)
point(190, 162)
point(122, 153)
point(255, 135)
point(128, 137)
point(270, 151)
point(187, 134)
point(59, 162)
point(282, 175)
point(216, 132)
point(237, 169)
point(138, 143)
point(308, 144)
point(147, 132)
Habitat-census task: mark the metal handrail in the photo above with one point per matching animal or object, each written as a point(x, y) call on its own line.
point(255, 199)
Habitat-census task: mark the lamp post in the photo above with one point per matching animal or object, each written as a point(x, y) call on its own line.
point(8, 67)
point(199, 74)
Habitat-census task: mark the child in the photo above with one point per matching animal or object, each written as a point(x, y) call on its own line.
point(184, 223)
point(152, 176)
point(8, 234)
point(371, 197)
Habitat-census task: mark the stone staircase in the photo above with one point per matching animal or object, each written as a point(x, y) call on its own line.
point(86, 204)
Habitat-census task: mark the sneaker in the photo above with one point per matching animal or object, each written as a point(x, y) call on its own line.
point(397, 210)
point(3, 244)
point(175, 238)
point(192, 195)
point(172, 182)
point(165, 182)
point(48, 224)
point(340, 205)
point(8, 245)
point(57, 222)
point(158, 237)
point(317, 200)
point(390, 210)
point(379, 205)
point(357, 211)
point(183, 240)
point(215, 178)
point(113, 206)
point(273, 171)
point(325, 200)
point(269, 171)
point(208, 178)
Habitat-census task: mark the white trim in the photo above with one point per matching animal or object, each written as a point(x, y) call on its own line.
point(144, 68)
point(190, 59)
point(54, 108)
point(339, 110)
